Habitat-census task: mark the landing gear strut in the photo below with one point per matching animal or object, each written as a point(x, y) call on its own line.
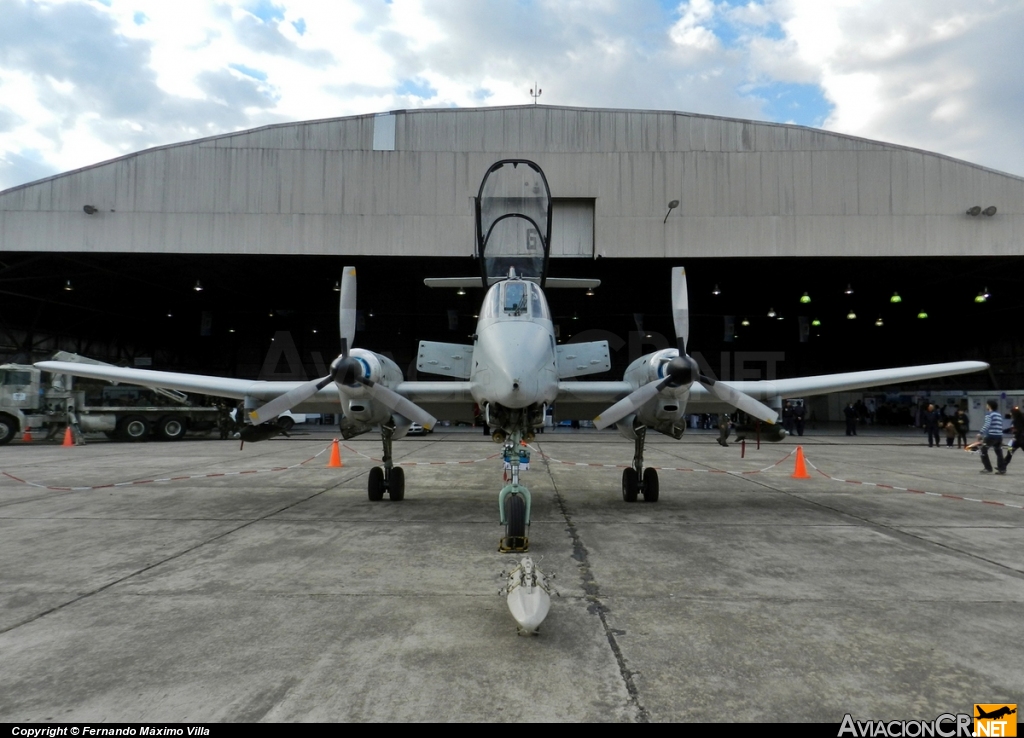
point(636, 480)
point(389, 478)
point(514, 502)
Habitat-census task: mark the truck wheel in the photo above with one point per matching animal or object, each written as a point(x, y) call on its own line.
point(285, 423)
point(8, 428)
point(133, 428)
point(171, 428)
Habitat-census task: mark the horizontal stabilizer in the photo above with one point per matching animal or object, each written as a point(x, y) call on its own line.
point(579, 359)
point(446, 359)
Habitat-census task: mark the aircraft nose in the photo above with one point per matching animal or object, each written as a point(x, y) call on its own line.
point(521, 363)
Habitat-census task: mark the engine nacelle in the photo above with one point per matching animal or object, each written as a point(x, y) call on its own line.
point(665, 412)
point(359, 411)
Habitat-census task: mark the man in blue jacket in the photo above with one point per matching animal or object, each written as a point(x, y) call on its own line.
point(991, 434)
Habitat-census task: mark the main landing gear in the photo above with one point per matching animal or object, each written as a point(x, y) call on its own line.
point(636, 480)
point(514, 502)
point(389, 478)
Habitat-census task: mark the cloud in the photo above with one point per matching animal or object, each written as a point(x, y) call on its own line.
point(83, 81)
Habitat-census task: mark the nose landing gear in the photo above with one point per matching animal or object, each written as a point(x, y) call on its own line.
point(514, 503)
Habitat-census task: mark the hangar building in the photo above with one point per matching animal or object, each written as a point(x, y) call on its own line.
point(805, 224)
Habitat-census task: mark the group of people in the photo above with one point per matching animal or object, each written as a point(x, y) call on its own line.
point(933, 420)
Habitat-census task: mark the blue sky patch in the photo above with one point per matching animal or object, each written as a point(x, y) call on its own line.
point(786, 102)
point(417, 88)
point(300, 26)
point(265, 10)
point(249, 72)
point(139, 18)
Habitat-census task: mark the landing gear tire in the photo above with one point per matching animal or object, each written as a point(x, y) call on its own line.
point(650, 485)
point(375, 484)
point(396, 484)
point(515, 517)
point(630, 485)
point(134, 428)
point(285, 423)
point(171, 428)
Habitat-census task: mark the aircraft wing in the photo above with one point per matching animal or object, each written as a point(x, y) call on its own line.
point(848, 381)
point(448, 400)
point(586, 400)
point(202, 383)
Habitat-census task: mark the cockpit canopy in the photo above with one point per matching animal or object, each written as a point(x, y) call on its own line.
point(513, 219)
point(515, 298)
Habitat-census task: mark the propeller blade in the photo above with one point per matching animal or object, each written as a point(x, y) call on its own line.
point(347, 309)
point(288, 400)
point(680, 307)
point(398, 404)
point(630, 403)
point(738, 400)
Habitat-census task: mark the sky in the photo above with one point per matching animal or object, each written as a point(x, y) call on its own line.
point(83, 81)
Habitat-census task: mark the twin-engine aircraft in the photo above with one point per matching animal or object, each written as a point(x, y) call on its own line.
point(515, 369)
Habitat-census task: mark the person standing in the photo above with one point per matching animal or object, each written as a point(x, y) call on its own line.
point(787, 417)
point(961, 423)
point(798, 418)
point(930, 420)
point(1018, 434)
point(851, 419)
point(991, 436)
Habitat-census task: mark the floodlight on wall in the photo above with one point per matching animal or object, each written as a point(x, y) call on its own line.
point(980, 297)
point(975, 210)
point(716, 291)
point(337, 285)
point(816, 323)
point(922, 314)
point(805, 299)
point(460, 291)
point(771, 312)
point(851, 315)
point(90, 209)
point(848, 290)
point(198, 287)
point(671, 206)
point(589, 293)
point(989, 211)
point(879, 322)
point(895, 298)
point(68, 287)
point(745, 322)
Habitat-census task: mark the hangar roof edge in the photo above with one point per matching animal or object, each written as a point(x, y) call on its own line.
point(529, 106)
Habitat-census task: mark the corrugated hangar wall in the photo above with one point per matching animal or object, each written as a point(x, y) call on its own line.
point(402, 184)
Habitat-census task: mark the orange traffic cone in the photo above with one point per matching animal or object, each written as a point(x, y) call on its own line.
point(800, 470)
point(26, 435)
point(335, 462)
point(69, 440)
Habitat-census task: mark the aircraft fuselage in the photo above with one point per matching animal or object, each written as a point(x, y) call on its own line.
point(515, 368)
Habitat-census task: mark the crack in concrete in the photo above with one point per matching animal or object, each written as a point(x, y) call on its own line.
point(592, 594)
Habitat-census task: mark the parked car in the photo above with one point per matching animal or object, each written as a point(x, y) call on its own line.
point(418, 430)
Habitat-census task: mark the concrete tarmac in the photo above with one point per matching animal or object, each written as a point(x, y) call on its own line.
point(742, 595)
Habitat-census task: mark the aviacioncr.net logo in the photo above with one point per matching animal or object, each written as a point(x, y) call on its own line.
point(946, 725)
